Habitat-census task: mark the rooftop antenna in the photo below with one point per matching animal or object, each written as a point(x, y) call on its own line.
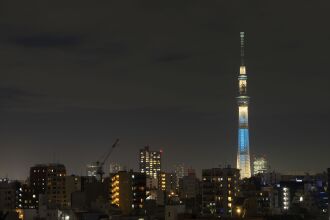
point(242, 48)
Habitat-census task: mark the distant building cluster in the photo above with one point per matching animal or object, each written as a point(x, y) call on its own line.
point(152, 193)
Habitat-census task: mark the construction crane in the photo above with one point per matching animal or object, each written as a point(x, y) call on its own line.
point(101, 162)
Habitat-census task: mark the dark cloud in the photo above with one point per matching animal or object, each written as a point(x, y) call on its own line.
point(12, 98)
point(169, 57)
point(46, 40)
point(108, 52)
point(13, 94)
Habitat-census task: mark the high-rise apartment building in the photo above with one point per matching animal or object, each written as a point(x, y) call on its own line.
point(189, 186)
point(9, 194)
point(55, 191)
point(128, 191)
point(167, 182)
point(291, 192)
point(38, 182)
point(260, 165)
point(26, 196)
point(150, 162)
point(219, 191)
point(180, 172)
point(72, 184)
point(243, 152)
point(139, 191)
point(48, 179)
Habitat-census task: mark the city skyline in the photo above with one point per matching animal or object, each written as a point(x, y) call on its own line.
point(75, 78)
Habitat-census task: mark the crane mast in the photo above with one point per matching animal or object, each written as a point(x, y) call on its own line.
point(100, 163)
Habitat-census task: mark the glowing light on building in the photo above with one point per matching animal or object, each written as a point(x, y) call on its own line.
point(243, 152)
point(163, 181)
point(115, 190)
point(238, 211)
point(286, 198)
point(20, 213)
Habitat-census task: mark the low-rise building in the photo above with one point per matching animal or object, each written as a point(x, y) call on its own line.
point(9, 192)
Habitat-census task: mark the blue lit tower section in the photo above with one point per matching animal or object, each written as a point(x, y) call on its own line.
point(243, 153)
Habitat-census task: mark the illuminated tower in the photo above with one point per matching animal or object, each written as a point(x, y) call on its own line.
point(243, 153)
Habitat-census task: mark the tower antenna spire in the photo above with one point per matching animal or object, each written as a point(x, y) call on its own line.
point(242, 48)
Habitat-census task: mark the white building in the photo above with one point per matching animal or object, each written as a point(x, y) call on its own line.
point(260, 165)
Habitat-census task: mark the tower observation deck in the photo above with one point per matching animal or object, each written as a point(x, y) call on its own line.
point(243, 152)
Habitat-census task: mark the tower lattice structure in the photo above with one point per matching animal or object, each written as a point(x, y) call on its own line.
point(243, 152)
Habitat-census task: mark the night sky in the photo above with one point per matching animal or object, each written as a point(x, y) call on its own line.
point(75, 75)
